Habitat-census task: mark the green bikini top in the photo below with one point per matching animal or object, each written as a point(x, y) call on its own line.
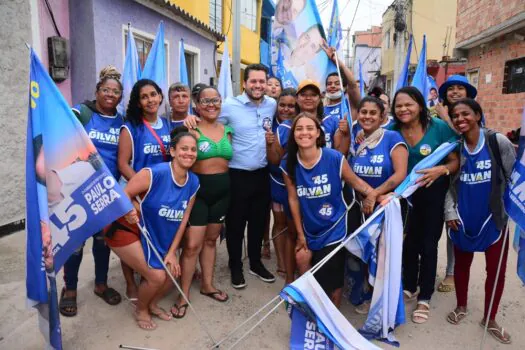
point(207, 148)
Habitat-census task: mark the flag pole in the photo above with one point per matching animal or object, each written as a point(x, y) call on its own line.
point(143, 231)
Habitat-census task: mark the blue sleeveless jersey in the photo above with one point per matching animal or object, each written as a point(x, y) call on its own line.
point(277, 186)
point(330, 124)
point(162, 209)
point(104, 132)
point(375, 165)
point(146, 150)
point(477, 230)
point(320, 193)
point(356, 127)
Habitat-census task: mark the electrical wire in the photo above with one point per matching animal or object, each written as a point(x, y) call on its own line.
point(52, 18)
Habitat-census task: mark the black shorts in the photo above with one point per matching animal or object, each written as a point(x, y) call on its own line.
point(331, 275)
point(212, 200)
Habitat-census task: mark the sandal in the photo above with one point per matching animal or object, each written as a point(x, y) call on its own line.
point(179, 309)
point(421, 313)
point(498, 333)
point(266, 251)
point(147, 325)
point(214, 295)
point(456, 316)
point(446, 288)
point(110, 296)
point(67, 305)
point(161, 314)
point(409, 296)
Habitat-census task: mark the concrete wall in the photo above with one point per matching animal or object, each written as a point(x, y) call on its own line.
point(15, 31)
point(103, 43)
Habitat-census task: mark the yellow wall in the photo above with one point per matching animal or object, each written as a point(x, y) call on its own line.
point(197, 8)
point(250, 41)
point(387, 55)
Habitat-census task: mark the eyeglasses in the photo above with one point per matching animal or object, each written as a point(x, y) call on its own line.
point(210, 101)
point(107, 91)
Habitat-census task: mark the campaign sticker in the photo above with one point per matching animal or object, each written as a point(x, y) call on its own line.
point(204, 146)
point(425, 149)
point(267, 123)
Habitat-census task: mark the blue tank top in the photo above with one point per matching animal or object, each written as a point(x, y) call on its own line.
point(163, 207)
point(356, 127)
point(477, 230)
point(335, 110)
point(375, 165)
point(104, 132)
point(320, 193)
point(282, 132)
point(330, 124)
point(146, 151)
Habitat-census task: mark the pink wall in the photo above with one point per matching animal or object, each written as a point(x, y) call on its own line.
point(60, 10)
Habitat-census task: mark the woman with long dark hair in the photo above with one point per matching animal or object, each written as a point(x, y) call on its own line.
point(423, 135)
point(283, 229)
point(474, 210)
point(314, 177)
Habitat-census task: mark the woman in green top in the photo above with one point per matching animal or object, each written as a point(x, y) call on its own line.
point(423, 135)
point(214, 152)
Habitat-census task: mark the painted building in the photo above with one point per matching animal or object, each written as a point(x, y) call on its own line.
point(435, 18)
point(491, 35)
point(367, 50)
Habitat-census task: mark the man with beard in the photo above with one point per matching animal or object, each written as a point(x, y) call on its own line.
point(250, 115)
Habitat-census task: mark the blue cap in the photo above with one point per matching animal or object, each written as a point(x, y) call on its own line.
point(457, 80)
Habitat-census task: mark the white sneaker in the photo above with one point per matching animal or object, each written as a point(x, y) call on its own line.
point(364, 308)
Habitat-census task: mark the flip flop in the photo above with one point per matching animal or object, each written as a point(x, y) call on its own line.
point(179, 309)
point(161, 314)
point(456, 317)
point(497, 333)
point(446, 288)
point(214, 295)
point(67, 303)
point(109, 295)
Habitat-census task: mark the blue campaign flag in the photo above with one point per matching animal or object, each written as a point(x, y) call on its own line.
point(131, 73)
point(361, 80)
point(420, 80)
point(70, 194)
point(183, 69)
point(155, 66)
point(335, 31)
point(402, 80)
point(514, 199)
point(304, 333)
point(225, 86)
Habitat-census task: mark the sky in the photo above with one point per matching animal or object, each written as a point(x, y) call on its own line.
point(369, 13)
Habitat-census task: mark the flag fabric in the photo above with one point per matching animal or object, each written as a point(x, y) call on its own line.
point(307, 296)
point(420, 80)
point(287, 78)
point(131, 73)
point(155, 66)
point(361, 80)
point(225, 86)
point(514, 199)
point(70, 194)
point(183, 69)
point(402, 80)
point(300, 35)
point(304, 333)
point(335, 31)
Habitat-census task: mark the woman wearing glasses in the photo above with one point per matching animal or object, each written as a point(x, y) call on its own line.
point(214, 151)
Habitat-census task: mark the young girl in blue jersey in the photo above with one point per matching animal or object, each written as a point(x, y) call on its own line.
point(144, 141)
point(336, 131)
point(474, 210)
point(380, 160)
point(314, 177)
point(167, 191)
point(276, 143)
point(102, 123)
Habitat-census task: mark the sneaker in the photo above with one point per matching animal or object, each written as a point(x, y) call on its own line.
point(238, 281)
point(260, 271)
point(363, 308)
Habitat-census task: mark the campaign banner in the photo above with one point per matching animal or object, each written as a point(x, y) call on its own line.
point(298, 31)
point(70, 194)
point(304, 333)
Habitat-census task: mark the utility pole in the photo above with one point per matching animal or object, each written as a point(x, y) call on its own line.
point(399, 42)
point(236, 62)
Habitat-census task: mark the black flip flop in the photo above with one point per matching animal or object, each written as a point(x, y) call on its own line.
point(110, 296)
point(214, 294)
point(179, 308)
point(67, 303)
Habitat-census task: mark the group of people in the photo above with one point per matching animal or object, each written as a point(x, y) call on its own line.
point(223, 168)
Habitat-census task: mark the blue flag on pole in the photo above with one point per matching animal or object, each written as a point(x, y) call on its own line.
point(514, 199)
point(335, 31)
point(183, 70)
point(402, 80)
point(155, 66)
point(70, 194)
point(361, 80)
point(420, 80)
point(225, 86)
point(131, 73)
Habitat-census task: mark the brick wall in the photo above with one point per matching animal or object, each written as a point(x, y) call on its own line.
point(475, 16)
point(502, 111)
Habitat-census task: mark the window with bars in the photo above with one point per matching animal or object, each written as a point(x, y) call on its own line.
point(216, 15)
point(249, 14)
point(514, 76)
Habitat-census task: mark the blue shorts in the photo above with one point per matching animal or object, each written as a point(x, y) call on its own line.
point(280, 196)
